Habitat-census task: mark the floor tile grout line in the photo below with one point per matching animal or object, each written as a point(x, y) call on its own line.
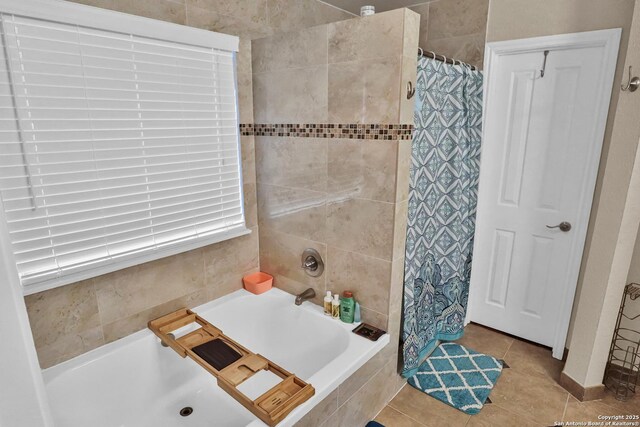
point(514, 412)
point(566, 404)
point(468, 421)
point(406, 415)
point(404, 384)
point(415, 419)
point(508, 348)
point(391, 408)
point(535, 377)
point(605, 403)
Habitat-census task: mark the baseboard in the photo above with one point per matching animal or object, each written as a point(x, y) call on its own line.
point(581, 393)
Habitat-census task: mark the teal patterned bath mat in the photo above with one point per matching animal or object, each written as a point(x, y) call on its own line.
point(457, 376)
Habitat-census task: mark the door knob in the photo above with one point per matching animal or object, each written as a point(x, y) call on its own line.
point(563, 226)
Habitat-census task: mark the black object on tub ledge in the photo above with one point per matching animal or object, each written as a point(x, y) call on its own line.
point(368, 331)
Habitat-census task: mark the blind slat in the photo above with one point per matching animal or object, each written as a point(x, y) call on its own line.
point(128, 219)
point(59, 216)
point(25, 249)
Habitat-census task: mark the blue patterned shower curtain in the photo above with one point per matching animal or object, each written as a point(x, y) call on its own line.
point(445, 159)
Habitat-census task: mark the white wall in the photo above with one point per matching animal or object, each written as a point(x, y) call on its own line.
point(608, 250)
point(23, 401)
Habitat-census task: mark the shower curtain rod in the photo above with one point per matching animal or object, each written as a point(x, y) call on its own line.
point(442, 58)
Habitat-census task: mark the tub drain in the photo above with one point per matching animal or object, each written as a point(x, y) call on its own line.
point(186, 411)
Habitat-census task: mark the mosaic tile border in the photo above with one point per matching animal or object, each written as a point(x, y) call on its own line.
point(385, 132)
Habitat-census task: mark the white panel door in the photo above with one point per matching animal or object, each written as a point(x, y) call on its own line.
point(542, 139)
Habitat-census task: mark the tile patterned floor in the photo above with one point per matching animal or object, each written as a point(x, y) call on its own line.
point(526, 395)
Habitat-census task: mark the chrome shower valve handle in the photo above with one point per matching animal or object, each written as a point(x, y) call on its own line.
point(311, 262)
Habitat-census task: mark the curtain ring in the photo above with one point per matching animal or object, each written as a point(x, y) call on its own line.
point(420, 52)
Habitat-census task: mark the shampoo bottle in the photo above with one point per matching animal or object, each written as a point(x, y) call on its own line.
point(335, 307)
point(327, 304)
point(347, 307)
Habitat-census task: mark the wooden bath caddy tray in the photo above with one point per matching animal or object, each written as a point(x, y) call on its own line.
point(235, 364)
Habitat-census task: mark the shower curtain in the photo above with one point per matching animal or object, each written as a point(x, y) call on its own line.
point(445, 160)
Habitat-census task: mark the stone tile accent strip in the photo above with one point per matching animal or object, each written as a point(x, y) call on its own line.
point(330, 130)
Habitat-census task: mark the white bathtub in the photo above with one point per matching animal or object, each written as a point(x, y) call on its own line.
point(135, 382)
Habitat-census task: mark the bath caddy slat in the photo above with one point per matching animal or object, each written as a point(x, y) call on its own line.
point(273, 405)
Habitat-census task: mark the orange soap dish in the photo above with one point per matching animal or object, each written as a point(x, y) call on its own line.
point(258, 283)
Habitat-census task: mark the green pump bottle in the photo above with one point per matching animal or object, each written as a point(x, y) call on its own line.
point(347, 307)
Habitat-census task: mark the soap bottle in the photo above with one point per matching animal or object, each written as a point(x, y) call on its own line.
point(335, 307)
point(327, 304)
point(347, 306)
point(357, 318)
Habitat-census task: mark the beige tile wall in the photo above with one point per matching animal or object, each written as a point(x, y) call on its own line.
point(346, 198)
point(335, 195)
point(454, 28)
point(73, 319)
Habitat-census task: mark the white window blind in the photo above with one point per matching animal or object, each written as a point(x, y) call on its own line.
point(115, 148)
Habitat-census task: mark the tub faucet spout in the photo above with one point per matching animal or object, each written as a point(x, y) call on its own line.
point(306, 295)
